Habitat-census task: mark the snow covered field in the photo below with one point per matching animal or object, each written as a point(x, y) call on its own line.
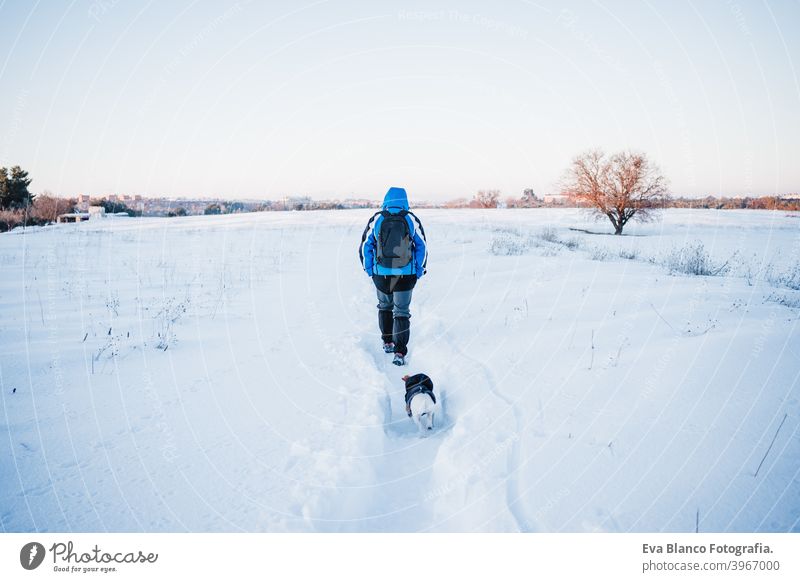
point(225, 373)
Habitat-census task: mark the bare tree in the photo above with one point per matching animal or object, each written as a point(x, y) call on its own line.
point(620, 187)
point(486, 198)
point(47, 207)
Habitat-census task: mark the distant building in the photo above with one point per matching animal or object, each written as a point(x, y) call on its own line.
point(73, 217)
point(94, 213)
point(555, 199)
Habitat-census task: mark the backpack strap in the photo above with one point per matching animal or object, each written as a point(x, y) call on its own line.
point(424, 238)
point(365, 235)
point(419, 224)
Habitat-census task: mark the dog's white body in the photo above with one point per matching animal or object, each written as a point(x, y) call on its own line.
point(423, 411)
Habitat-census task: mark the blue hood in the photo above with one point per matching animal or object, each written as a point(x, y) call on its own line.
point(395, 199)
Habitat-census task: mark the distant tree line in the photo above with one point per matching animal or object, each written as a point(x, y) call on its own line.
point(294, 203)
point(492, 199)
point(620, 187)
point(18, 207)
point(790, 202)
point(114, 207)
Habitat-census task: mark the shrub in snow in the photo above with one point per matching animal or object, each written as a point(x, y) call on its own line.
point(549, 251)
point(549, 234)
point(789, 278)
point(788, 301)
point(508, 244)
point(10, 219)
point(506, 230)
point(600, 254)
point(165, 320)
point(693, 259)
point(630, 255)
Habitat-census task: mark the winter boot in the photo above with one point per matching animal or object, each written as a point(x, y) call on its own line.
point(388, 347)
point(399, 360)
point(402, 333)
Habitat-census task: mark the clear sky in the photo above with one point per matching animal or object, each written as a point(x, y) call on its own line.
point(338, 98)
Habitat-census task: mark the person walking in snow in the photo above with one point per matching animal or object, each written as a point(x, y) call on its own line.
point(394, 254)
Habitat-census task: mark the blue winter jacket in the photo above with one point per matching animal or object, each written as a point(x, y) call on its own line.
point(395, 201)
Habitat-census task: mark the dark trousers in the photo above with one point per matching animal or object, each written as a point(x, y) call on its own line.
point(393, 318)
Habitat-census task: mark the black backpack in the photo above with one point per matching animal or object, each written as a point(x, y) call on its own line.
point(394, 241)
